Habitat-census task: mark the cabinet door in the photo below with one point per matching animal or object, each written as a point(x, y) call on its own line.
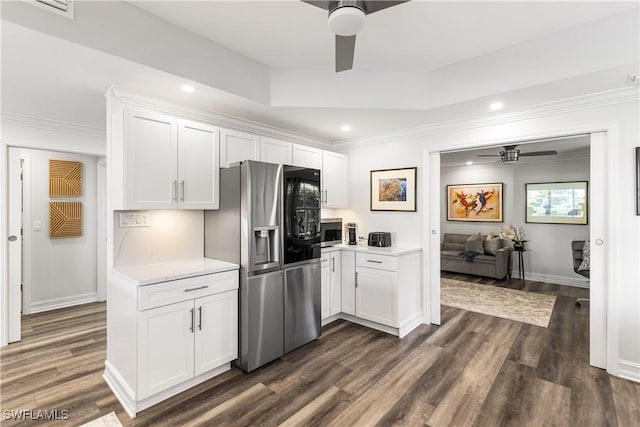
point(325, 290)
point(376, 296)
point(275, 151)
point(334, 177)
point(348, 282)
point(151, 150)
point(165, 339)
point(198, 165)
point(334, 284)
point(238, 146)
point(306, 157)
point(216, 330)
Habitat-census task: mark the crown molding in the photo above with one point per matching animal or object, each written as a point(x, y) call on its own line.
point(216, 118)
point(578, 103)
point(33, 122)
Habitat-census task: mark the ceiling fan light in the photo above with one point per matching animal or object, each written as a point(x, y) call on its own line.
point(509, 156)
point(347, 21)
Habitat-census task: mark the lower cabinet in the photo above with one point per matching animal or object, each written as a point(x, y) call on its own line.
point(330, 280)
point(187, 332)
point(377, 296)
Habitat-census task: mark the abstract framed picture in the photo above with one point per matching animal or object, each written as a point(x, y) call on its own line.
point(557, 202)
point(475, 202)
point(65, 178)
point(393, 190)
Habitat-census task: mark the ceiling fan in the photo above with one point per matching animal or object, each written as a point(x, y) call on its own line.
point(511, 154)
point(346, 19)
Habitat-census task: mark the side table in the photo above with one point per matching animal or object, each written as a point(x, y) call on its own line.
point(520, 253)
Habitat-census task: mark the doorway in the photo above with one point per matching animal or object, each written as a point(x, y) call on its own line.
point(603, 348)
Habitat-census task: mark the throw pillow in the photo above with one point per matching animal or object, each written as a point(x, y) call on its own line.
point(474, 244)
point(489, 236)
point(586, 257)
point(491, 246)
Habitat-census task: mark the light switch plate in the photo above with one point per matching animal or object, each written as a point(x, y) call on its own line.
point(37, 225)
point(130, 219)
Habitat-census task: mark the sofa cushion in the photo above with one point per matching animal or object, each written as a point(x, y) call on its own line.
point(451, 246)
point(455, 256)
point(475, 244)
point(492, 245)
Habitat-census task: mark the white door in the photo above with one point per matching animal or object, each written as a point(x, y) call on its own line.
point(334, 178)
point(238, 146)
point(275, 151)
point(14, 300)
point(431, 312)
point(151, 150)
point(376, 296)
point(165, 339)
point(198, 166)
point(306, 157)
point(216, 330)
point(348, 282)
point(325, 290)
point(334, 283)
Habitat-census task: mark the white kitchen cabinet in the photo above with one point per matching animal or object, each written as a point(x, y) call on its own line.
point(275, 151)
point(198, 166)
point(307, 157)
point(149, 159)
point(167, 336)
point(335, 175)
point(165, 163)
point(377, 296)
point(348, 282)
point(236, 146)
point(330, 279)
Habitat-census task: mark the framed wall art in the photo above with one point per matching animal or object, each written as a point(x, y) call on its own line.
point(393, 190)
point(65, 178)
point(475, 202)
point(557, 202)
point(65, 219)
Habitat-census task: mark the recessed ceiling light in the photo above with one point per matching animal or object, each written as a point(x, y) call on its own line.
point(345, 128)
point(469, 163)
point(188, 88)
point(495, 106)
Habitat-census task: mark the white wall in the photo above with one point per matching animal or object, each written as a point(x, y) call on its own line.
point(173, 235)
point(617, 111)
point(548, 255)
point(60, 271)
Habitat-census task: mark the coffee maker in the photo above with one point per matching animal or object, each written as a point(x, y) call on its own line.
point(352, 233)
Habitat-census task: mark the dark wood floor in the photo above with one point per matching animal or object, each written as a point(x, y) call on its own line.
point(473, 370)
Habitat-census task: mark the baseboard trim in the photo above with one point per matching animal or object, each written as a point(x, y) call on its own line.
point(56, 303)
point(558, 280)
point(329, 319)
point(629, 370)
point(410, 324)
point(369, 324)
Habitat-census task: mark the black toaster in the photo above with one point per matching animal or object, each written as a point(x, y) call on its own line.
point(381, 239)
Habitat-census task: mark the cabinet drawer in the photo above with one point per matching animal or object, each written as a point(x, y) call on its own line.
point(159, 294)
point(381, 262)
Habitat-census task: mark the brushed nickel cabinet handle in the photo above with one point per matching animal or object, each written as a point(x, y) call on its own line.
point(374, 261)
point(182, 192)
point(356, 279)
point(333, 264)
point(196, 289)
point(200, 318)
point(192, 320)
point(174, 191)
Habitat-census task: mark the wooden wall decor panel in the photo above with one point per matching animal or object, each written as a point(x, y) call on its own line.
point(65, 219)
point(65, 178)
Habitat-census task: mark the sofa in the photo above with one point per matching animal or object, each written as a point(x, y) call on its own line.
point(486, 264)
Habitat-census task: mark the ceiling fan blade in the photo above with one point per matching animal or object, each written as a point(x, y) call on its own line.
point(375, 5)
point(539, 153)
point(345, 46)
point(319, 3)
point(487, 155)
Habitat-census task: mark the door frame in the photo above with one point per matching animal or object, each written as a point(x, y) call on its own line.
point(604, 340)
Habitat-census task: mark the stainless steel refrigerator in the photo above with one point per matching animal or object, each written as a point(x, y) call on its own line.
point(269, 224)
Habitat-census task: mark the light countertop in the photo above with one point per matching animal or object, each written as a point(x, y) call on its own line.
point(173, 270)
point(393, 250)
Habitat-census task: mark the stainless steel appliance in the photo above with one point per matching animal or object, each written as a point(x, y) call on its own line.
point(352, 233)
point(380, 239)
point(330, 231)
point(249, 230)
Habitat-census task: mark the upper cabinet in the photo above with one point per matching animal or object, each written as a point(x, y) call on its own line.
point(307, 157)
point(165, 162)
point(236, 146)
point(335, 176)
point(275, 151)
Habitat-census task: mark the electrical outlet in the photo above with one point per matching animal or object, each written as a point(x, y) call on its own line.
point(130, 219)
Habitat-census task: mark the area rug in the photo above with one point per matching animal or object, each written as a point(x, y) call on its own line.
point(109, 420)
point(512, 304)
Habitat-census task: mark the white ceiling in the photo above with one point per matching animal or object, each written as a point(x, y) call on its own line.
point(47, 73)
